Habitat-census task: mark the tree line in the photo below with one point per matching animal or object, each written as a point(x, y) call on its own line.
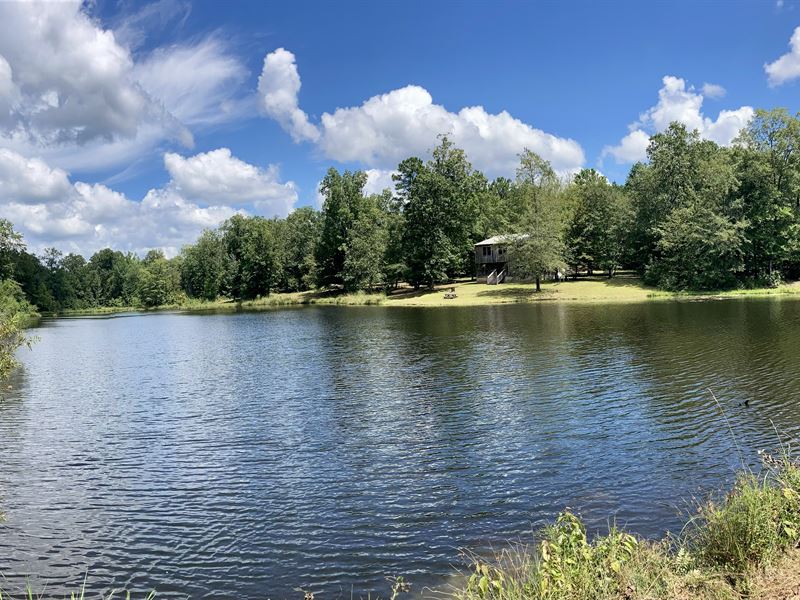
point(695, 215)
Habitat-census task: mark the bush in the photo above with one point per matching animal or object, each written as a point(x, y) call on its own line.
point(757, 521)
point(15, 313)
point(726, 545)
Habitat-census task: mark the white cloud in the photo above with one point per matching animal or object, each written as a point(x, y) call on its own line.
point(728, 125)
point(223, 179)
point(30, 180)
point(676, 102)
point(133, 28)
point(74, 77)
point(73, 95)
point(712, 90)
point(388, 128)
point(80, 217)
point(9, 94)
point(631, 148)
point(196, 83)
point(403, 122)
point(378, 180)
point(278, 86)
point(787, 67)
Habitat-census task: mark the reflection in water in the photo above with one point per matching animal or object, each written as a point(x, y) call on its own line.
point(247, 454)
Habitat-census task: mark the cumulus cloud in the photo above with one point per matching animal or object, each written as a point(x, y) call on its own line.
point(74, 77)
point(712, 90)
point(787, 67)
point(278, 87)
point(221, 178)
point(73, 95)
point(631, 148)
point(81, 217)
point(388, 127)
point(30, 180)
point(677, 102)
point(378, 180)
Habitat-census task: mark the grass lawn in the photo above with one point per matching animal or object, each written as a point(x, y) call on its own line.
point(622, 288)
point(598, 289)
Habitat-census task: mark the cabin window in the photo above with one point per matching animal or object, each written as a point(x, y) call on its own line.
point(487, 250)
point(502, 251)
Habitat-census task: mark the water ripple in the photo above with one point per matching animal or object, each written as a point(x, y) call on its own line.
point(246, 455)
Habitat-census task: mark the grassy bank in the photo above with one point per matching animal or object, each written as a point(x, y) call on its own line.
point(623, 288)
point(620, 289)
point(744, 545)
point(225, 304)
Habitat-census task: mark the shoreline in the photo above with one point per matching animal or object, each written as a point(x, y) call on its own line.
point(622, 289)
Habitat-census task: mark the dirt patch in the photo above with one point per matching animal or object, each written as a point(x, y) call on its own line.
point(780, 581)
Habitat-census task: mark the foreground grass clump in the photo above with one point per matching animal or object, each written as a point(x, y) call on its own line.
point(81, 595)
point(744, 545)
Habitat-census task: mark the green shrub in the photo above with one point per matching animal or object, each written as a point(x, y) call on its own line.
point(724, 546)
point(15, 314)
point(757, 521)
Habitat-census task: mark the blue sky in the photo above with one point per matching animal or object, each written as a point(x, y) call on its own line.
point(140, 124)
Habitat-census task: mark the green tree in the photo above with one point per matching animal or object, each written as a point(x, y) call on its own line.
point(34, 279)
point(394, 266)
point(15, 310)
point(699, 250)
point(159, 280)
point(439, 201)
point(60, 286)
point(205, 266)
point(114, 277)
point(80, 280)
point(597, 231)
point(540, 249)
point(300, 238)
point(253, 246)
point(683, 172)
point(344, 199)
point(768, 166)
point(366, 247)
point(496, 211)
point(11, 245)
point(260, 261)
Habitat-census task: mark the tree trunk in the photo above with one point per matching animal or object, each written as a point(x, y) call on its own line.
point(538, 285)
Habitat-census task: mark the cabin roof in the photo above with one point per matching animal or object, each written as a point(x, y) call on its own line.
point(503, 239)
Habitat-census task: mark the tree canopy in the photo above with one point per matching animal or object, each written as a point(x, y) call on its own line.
point(694, 215)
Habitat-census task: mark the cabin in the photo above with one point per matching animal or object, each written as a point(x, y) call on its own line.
point(491, 258)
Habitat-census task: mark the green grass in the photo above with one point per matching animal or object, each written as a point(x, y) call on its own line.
point(623, 288)
point(276, 300)
point(29, 594)
point(744, 545)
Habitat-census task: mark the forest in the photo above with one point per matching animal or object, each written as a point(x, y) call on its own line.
point(694, 216)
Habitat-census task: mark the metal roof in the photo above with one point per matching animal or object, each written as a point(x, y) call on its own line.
point(503, 239)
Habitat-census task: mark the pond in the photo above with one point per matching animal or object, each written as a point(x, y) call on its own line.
point(326, 448)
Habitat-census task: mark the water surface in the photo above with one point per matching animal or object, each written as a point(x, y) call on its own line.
point(244, 455)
